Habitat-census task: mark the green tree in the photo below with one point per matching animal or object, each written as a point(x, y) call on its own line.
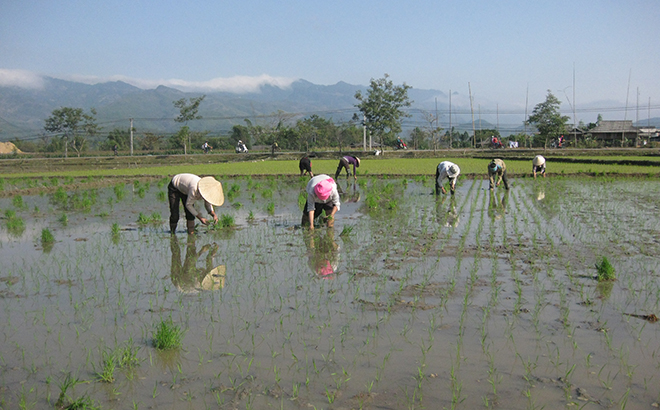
point(382, 108)
point(241, 133)
point(187, 112)
point(150, 142)
point(419, 138)
point(118, 136)
point(74, 125)
point(315, 132)
point(547, 119)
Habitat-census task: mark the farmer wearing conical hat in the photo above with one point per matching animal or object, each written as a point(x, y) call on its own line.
point(446, 171)
point(345, 162)
point(189, 188)
point(538, 165)
point(322, 195)
point(497, 167)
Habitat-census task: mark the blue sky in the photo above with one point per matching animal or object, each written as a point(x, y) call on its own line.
point(502, 48)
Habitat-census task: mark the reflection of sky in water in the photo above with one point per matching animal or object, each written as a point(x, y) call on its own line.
point(90, 289)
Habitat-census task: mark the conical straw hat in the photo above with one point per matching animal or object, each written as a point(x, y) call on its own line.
point(211, 191)
point(215, 279)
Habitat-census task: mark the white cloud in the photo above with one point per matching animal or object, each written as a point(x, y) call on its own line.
point(20, 78)
point(236, 84)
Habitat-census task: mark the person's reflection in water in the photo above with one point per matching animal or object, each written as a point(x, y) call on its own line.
point(449, 216)
point(186, 276)
point(323, 252)
point(497, 204)
point(350, 193)
point(539, 192)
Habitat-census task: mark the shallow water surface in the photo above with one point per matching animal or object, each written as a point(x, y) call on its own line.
point(411, 300)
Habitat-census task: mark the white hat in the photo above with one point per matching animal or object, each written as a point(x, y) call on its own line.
point(453, 171)
point(538, 161)
point(211, 191)
point(358, 161)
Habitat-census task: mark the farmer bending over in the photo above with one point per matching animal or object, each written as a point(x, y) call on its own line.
point(345, 162)
point(189, 188)
point(305, 166)
point(322, 195)
point(446, 170)
point(497, 167)
point(538, 165)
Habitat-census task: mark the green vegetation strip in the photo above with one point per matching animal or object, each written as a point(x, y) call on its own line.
point(370, 166)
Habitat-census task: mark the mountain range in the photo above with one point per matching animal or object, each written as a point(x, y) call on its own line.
point(23, 111)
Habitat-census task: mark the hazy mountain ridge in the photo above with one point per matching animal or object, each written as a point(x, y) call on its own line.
point(23, 111)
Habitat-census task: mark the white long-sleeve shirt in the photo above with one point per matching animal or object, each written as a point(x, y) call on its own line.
point(443, 171)
point(187, 184)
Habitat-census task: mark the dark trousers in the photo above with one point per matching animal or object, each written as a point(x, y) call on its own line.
point(305, 165)
point(174, 196)
point(343, 164)
point(318, 208)
point(504, 179)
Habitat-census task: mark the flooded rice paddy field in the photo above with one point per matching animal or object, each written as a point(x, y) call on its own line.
point(483, 299)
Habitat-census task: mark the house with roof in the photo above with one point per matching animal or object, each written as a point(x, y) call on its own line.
point(613, 132)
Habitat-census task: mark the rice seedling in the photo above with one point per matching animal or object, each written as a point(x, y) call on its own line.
point(15, 224)
point(167, 335)
point(17, 202)
point(605, 270)
point(108, 366)
point(233, 192)
point(227, 221)
point(267, 193)
point(120, 192)
point(47, 238)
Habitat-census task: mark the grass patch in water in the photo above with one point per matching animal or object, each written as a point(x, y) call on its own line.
point(167, 336)
point(605, 270)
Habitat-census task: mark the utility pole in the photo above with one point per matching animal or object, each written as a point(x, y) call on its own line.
point(451, 131)
point(474, 135)
point(436, 132)
point(364, 133)
point(625, 113)
point(574, 119)
point(525, 121)
point(131, 136)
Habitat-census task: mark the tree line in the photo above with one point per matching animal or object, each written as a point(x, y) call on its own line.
point(381, 108)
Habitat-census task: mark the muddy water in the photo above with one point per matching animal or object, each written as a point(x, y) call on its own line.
point(476, 300)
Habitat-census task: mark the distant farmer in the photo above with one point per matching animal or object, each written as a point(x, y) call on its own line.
point(189, 188)
point(346, 162)
point(305, 166)
point(449, 171)
point(538, 165)
point(206, 147)
point(240, 147)
point(322, 195)
point(497, 168)
point(114, 149)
